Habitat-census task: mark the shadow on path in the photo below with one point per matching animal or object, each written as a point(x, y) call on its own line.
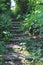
point(13, 63)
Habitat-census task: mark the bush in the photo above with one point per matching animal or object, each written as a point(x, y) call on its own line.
point(33, 24)
point(3, 50)
point(5, 24)
point(4, 5)
point(23, 7)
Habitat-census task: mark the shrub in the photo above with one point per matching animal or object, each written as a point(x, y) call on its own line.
point(33, 24)
point(3, 50)
point(4, 5)
point(5, 25)
point(23, 7)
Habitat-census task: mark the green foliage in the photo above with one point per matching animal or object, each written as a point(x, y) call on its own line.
point(4, 5)
point(34, 29)
point(23, 7)
point(5, 24)
point(16, 10)
point(34, 47)
point(35, 17)
point(5, 21)
point(3, 50)
point(33, 24)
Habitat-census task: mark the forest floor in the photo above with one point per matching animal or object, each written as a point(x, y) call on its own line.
point(16, 56)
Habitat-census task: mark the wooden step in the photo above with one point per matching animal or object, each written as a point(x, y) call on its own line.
point(18, 62)
point(11, 57)
point(20, 35)
point(15, 22)
point(16, 31)
point(16, 27)
point(19, 38)
point(16, 40)
point(17, 57)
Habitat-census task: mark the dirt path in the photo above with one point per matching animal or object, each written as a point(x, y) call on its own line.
point(14, 57)
point(13, 63)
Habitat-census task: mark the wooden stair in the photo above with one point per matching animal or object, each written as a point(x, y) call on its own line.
point(17, 32)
